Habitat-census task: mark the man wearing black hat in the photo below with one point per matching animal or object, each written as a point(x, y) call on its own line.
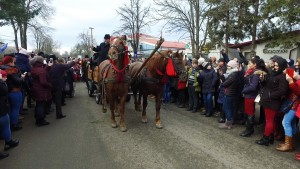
point(102, 49)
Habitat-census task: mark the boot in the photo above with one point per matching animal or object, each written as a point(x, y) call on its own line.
point(3, 155)
point(222, 117)
point(226, 125)
point(287, 146)
point(11, 144)
point(265, 140)
point(249, 127)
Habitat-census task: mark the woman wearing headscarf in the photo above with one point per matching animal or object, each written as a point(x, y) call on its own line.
point(275, 87)
point(14, 84)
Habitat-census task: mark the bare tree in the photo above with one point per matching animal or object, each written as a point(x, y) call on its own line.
point(26, 13)
point(185, 17)
point(40, 33)
point(134, 18)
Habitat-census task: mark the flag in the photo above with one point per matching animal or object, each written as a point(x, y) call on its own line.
point(3, 47)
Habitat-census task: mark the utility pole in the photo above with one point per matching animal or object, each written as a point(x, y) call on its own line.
point(91, 41)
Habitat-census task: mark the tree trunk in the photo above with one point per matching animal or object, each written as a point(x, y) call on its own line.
point(254, 28)
point(16, 34)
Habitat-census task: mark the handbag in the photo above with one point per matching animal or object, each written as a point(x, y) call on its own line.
point(257, 98)
point(286, 105)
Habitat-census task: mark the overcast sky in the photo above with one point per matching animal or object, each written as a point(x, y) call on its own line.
point(73, 17)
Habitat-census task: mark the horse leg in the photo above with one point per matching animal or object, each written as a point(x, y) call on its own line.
point(145, 103)
point(137, 103)
point(116, 112)
point(122, 109)
point(157, 106)
point(112, 108)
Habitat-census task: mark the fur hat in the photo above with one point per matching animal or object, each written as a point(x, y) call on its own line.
point(232, 64)
point(7, 59)
point(107, 36)
point(36, 59)
point(23, 51)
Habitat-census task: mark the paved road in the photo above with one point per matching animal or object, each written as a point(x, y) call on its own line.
point(85, 140)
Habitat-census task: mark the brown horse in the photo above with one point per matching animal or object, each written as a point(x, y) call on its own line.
point(150, 79)
point(114, 81)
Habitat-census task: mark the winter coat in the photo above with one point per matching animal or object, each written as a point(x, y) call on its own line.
point(14, 80)
point(102, 49)
point(275, 88)
point(57, 72)
point(193, 79)
point(4, 107)
point(181, 84)
point(41, 87)
point(251, 84)
point(208, 80)
point(231, 84)
point(294, 94)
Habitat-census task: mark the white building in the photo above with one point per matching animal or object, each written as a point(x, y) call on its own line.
point(261, 50)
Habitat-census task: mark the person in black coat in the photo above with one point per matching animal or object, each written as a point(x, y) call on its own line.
point(56, 73)
point(275, 87)
point(102, 49)
point(4, 117)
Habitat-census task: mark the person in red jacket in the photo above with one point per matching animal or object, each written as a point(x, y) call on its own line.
point(41, 89)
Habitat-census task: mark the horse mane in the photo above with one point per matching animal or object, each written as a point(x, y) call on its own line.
point(158, 61)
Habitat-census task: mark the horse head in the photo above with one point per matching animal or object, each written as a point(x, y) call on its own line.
point(117, 49)
point(178, 63)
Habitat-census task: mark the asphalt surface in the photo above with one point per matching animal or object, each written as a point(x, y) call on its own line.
point(85, 140)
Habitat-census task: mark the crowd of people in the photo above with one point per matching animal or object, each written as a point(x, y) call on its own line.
point(28, 76)
point(232, 89)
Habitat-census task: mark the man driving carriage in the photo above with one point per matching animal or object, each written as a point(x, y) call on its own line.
point(102, 50)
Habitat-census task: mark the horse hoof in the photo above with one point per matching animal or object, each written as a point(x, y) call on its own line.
point(114, 125)
point(159, 126)
point(104, 110)
point(123, 129)
point(117, 114)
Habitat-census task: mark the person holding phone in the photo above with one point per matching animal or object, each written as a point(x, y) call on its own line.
point(14, 83)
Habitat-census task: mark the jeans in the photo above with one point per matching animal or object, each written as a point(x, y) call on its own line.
point(193, 98)
point(228, 107)
point(208, 103)
point(166, 98)
point(15, 101)
point(5, 128)
point(289, 123)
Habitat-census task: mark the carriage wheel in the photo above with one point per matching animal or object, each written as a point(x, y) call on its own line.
point(98, 98)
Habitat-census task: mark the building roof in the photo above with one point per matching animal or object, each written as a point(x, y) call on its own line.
point(240, 45)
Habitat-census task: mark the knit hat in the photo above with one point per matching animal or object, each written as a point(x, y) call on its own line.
point(7, 59)
point(23, 51)
point(200, 61)
point(205, 65)
point(232, 64)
